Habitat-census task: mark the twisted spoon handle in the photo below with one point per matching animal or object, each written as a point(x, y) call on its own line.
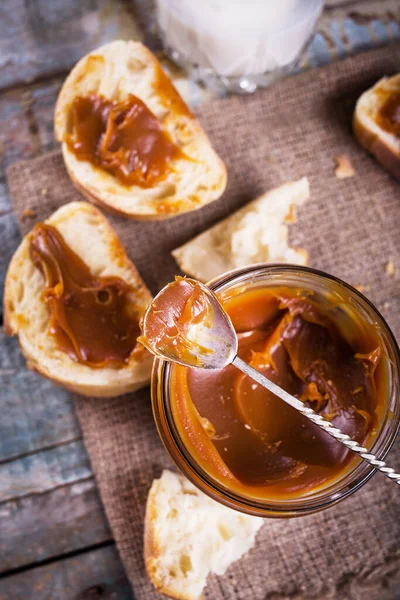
point(317, 419)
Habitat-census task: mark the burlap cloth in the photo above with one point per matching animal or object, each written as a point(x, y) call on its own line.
point(351, 229)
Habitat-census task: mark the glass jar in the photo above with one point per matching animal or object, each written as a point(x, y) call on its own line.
point(236, 45)
point(358, 472)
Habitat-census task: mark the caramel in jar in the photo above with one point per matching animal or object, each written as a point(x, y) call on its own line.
point(250, 440)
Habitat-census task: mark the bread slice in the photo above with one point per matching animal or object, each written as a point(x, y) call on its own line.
point(384, 145)
point(114, 71)
point(188, 535)
point(257, 232)
point(88, 234)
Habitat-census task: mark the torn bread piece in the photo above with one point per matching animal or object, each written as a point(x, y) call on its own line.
point(188, 536)
point(89, 236)
point(376, 122)
point(151, 159)
point(258, 232)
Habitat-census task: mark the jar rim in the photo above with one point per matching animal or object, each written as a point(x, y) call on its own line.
point(338, 489)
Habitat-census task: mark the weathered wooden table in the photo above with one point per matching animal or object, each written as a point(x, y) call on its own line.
point(54, 538)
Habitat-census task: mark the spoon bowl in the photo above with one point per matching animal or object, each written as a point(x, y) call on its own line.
point(186, 324)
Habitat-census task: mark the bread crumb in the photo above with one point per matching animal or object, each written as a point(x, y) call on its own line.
point(386, 305)
point(390, 268)
point(43, 191)
point(29, 213)
point(344, 168)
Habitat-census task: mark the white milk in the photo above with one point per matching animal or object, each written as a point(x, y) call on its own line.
point(234, 38)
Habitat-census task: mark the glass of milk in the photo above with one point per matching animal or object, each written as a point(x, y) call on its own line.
point(237, 44)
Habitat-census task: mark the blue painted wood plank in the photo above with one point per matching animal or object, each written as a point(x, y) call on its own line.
point(319, 53)
point(26, 122)
point(5, 202)
point(11, 357)
point(42, 38)
point(35, 528)
point(93, 575)
point(16, 139)
point(394, 28)
point(37, 414)
point(336, 36)
point(43, 99)
point(10, 238)
point(44, 471)
point(359, 35)
point(380, 31)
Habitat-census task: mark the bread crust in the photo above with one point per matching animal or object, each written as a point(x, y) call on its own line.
point(381, 144)
point(384, 154)
point(26, 316)
point(114, 71)
point(111, 209)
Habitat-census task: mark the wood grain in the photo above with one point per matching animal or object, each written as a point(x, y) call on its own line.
point(48, 516)
point(44, 471)
point(4, 199)
point(37, 528)
point(95, 575)
point(16, 135)
point(9, 240)
point(39, 415)
point(349, 27)
point(41, 38)
point(11, 358)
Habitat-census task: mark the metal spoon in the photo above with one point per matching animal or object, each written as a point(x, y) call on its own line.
point(209, 341)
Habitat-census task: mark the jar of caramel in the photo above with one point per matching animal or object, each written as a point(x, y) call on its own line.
point(319, 339)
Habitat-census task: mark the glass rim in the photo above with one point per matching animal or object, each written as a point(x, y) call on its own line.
point(339, 489)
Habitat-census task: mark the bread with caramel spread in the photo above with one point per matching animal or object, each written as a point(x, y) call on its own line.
point(188, 536)
point(376, 122)
point(258, 232)
point(88, 235)
point(153, 160)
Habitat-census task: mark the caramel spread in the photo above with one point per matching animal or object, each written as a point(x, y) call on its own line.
point(388, 116)
point(123, 138)
point(250, 440)
point(91, 318)
point(178, 323)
